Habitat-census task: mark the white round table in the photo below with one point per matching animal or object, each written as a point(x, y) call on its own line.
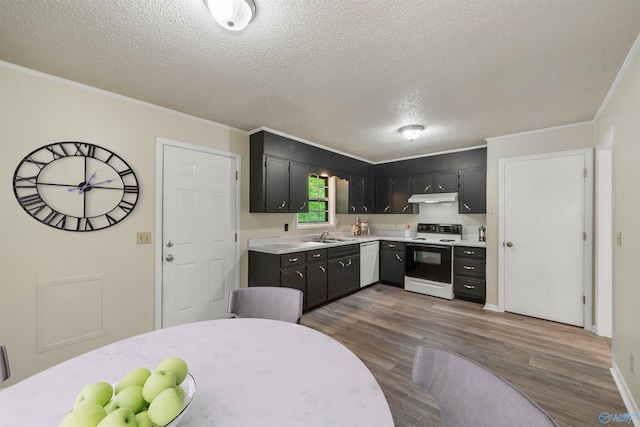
point(248, 372)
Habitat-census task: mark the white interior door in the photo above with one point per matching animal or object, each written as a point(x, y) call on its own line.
point(199, 254)
point(543, 236)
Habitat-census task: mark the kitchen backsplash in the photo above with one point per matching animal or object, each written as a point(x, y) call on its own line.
point(447, 213)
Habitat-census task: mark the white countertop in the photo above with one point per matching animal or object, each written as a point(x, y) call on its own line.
point(248, 372)
point(287, 245)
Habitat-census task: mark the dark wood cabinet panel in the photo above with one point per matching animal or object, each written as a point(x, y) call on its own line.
point(383, 200)
point(446, 182)
point(422, 183)
point(368, 195)
point(473, 191)
point(316, 284)
point(298, 187)
point(277, 184)
point(344, 276)
point(469, 273)
point(392, 263)
point(400, 196)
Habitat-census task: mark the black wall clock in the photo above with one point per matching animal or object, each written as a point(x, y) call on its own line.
point(75, 186)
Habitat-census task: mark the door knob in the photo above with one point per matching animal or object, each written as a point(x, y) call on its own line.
point(509, 244)
point(169, 257)
point(169, 244)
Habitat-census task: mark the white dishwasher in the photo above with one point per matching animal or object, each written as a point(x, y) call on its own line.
point(369, 263)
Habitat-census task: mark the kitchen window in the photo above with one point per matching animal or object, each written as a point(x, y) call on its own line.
point(321, 203)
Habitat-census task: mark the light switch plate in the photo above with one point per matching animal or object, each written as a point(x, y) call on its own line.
point(143, 237)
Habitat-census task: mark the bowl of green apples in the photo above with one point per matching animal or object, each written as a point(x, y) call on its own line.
point(158, 398)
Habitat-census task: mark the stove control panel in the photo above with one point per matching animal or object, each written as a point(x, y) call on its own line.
point(440, 228)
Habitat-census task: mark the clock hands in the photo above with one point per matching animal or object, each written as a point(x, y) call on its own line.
point(86, 186)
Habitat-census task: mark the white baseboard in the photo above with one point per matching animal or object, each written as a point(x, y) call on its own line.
point(491, 307)
point(629, 403)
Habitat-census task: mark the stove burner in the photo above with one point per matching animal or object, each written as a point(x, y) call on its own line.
point(418, 238)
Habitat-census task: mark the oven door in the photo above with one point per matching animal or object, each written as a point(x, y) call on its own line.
point(429, 262)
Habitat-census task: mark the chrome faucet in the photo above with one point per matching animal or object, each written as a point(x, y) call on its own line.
point(323, 235)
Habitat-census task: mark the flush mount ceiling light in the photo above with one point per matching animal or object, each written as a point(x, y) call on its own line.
point(233, 15)
point(411, 132)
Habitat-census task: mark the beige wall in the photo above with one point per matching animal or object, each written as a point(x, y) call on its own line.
point(622, 111)
point(36, 110)
point(564, 138)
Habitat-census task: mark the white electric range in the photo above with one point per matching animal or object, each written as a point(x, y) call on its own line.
point(429, 260)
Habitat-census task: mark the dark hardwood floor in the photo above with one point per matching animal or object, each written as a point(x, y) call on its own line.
point(565, 369)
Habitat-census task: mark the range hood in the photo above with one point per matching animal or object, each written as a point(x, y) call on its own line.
point(434, 198)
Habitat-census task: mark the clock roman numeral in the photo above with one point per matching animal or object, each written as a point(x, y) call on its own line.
point(56, 219)
point(125, 172)
point(131, 189)
point(38, 163)
point(57, 151)
point(126, 206)
point(84, 223)
point(32, 203)
point(87, 150)
point(21, 181)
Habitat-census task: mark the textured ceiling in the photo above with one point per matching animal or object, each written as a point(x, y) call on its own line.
point(342, 74)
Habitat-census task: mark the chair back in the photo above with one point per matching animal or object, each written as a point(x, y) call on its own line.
point(5, 372)
point(471, 395)
point(267, 302)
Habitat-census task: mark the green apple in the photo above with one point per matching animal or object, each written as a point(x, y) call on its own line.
point(130, 397)
point(143, 419)
point(135, 377)
point(99, 393)
point(175, 365)
point(165, 407)
point(123, 417)
point(157, 382)
point(87, 415)
point(180, 391)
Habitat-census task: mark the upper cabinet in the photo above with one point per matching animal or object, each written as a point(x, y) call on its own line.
point(361, 194)
point(392, 196)
point(423, 183)
point(473, 191)
point(286, 186)
point(446, 182)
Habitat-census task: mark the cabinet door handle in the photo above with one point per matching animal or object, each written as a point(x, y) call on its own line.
point(391, 245)
point(387, 208)
point(466, 206)
point(322, 268)
point(440, 187)
point(349, 263)
point(469, 252)
point(284, 203)
point(469, 267)
point(353, 208)
point(427, 188)
point(398, 257)
point(300, 274)
point(405, 208)
point(303, 205)
point(293, 259)
point(316, 255)
point(469, 286)
point(366, 209)
point(341, 263)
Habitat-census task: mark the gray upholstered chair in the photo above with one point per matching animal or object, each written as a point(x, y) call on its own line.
point(471, 395)
point(267, 302)
point(5, 372)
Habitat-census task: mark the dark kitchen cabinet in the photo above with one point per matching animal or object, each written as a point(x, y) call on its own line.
point(422, 183)
point(361, 194)
point(384, 191)
point(316, 278)
point(285, 186)
point(343, 270)
point(446, 182)
point(400, 196)
point(473, 191)
point(392, 196)
point(392, 263)
point(469, 273)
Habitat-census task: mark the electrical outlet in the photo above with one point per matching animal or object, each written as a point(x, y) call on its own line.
point(143, 237)
point(286, 227)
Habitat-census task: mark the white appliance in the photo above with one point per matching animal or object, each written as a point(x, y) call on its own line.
point(429, 260)
point(369, 263)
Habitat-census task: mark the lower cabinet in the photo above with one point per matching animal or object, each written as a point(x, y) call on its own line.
point(392, 263)
point(469, 273)
point(344, 270)
point(321, 274)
